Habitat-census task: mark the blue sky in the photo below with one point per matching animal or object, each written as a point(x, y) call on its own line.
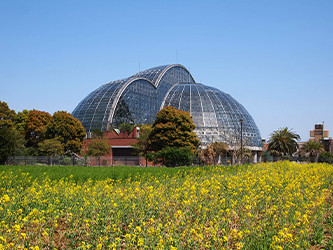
point(274, 57)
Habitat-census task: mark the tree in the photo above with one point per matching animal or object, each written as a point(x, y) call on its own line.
point(126, 127)
point(312, 149)
point(51, 147)
point(26, 151)
point(172, 134)
point(97, 134)
point(35, 130)
point(220, 149)
point(283, 142)
point(208, 155)
point(235, 143)
point(7, 116)
point(247, 155)
point(141, 147)
point(68, 130)
point(20, 122)
point(98, 148)
point(10, 141)
point(173, 157)
point(326, 157)
point(173, 128)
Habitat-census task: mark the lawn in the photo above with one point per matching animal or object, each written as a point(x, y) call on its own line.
point(272, 205)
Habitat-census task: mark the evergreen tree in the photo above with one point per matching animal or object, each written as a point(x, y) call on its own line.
point(10, 139)
point(172, 134)
point(173, 128)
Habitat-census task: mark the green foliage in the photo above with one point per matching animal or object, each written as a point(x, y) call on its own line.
point(21, 121)
point(73, 147)
point(26, 151)
point(97, 134)
point(80, 174)
point(173, 157)
point(7, 116)
point(36, 125)
point(141, 147)
point(173, 128)
point(98, 148)
point(172, 138)
point(312, 149)
point(126, 127)
point(51, 147)
point(10, 141)
point(326, 157)
point(283, 142)
point(68, 130)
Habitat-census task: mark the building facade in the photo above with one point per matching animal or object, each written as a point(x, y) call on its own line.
point(321, 135)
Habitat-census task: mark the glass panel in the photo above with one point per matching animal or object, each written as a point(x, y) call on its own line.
point(215, 113)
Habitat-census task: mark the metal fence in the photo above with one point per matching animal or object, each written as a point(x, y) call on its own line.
point(73, 160)
point(92, 161)
point(110, 161)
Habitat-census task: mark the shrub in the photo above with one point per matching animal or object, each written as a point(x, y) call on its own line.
point(326, 157)
point(173, 157)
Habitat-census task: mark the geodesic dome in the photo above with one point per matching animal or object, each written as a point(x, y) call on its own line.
point(216, 114)
point(138, 98)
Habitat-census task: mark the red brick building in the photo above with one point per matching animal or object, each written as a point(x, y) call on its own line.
point(121, 149)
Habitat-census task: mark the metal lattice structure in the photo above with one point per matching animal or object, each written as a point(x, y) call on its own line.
point(137, 100)
point(216, 114)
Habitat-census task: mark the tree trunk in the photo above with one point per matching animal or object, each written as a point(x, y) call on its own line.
point(317, 156)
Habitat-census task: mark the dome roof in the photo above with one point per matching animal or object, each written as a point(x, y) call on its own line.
point(138, 98)
point(135, 99)
point(216, 114)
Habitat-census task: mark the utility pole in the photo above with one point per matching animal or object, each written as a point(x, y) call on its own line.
point(241, 123)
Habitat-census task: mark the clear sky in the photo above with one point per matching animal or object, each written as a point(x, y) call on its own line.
point(274, 57)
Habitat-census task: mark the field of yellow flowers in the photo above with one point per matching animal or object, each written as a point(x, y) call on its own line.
point(279, 205)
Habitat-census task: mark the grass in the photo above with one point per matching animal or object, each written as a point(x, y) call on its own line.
point(81, 174)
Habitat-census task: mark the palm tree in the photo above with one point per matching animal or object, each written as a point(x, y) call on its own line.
point(283, 142)
point(312, 149)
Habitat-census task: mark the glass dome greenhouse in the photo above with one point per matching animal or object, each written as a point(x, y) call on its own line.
point(138, 98)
